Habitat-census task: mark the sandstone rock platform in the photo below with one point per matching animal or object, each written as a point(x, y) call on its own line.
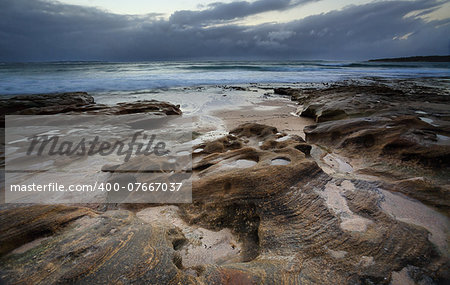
point(257, 192)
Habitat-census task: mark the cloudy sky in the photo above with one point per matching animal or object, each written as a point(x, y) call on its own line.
point(40, 30)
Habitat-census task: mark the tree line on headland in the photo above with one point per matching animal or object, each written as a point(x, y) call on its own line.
point(431, 58)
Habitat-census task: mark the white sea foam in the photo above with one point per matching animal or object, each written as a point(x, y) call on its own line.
point(138, 77)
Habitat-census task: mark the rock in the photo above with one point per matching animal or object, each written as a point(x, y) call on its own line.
point(112, 248)
point(286, 91)
point(287, 218)
point(395, 145)
point(349, 101)
point(251, 130)
point(109, 167)
point(342, 102)
point(145, 106)
point(35, 104)
point(292, 223)
point(395, 131)
point(423, 189)
point(237, 88)
point(79, 102)
point(19, 226)
point(403, 138)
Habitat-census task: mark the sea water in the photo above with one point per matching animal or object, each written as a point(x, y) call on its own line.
point(31, 78)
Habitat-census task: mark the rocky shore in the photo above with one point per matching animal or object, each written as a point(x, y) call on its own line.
point(79, 102)
point(363, 199)
point(399, 134)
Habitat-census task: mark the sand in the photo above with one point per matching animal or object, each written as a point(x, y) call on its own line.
point(278, 112)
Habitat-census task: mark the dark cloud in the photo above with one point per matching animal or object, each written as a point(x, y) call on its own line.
point(218, 12)
point(34, 30)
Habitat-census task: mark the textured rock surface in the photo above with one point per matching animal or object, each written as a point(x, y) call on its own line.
point(291, 222)
point(348, 101)
point(112, 248)
point(35, 104)
point(404, 149)
point(400, 134)
point(297, 223)
point(79, 102)
point(19, 227)
point(144, 106)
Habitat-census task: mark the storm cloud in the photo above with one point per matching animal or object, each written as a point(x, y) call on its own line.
point(35, 30)
point(218, 12)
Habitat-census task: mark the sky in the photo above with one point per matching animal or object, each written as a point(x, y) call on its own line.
point(135, 30)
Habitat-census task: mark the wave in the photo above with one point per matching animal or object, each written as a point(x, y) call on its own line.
point(143, 77)
point(279, 68)
point(223, 67)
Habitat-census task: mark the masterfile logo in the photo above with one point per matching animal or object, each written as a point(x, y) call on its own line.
point(137, 158)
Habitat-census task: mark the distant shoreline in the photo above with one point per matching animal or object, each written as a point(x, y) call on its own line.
point(432, 58)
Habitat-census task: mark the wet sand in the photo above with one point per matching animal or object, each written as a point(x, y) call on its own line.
point(279, 113)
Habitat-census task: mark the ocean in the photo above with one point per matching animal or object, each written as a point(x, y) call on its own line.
point(30, 78)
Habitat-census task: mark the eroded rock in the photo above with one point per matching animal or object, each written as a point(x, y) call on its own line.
point(399, 135)
point(402, 149)
point(79, 102)
point(291, 223)
point(112, 248)
point(35, 104)
point(302, 219)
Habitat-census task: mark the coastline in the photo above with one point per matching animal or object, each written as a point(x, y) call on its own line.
point(312, 164)
point(238, 142)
